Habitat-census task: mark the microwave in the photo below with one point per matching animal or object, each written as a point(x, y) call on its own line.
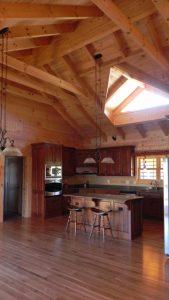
point(53, 172)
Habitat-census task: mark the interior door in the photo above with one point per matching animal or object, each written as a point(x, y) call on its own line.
point(13, 186)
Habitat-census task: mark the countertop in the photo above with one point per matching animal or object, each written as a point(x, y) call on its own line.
point(122, 199)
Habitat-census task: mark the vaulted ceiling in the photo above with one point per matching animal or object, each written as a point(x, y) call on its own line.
point(51, 48)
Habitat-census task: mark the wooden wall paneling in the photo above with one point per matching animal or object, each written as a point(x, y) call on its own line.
point(68, 161)
point(38, 183)
point(2, 164)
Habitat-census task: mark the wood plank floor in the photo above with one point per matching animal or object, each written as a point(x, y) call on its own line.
point(39, 261)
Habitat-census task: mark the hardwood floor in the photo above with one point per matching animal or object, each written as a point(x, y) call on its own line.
point(39, 261)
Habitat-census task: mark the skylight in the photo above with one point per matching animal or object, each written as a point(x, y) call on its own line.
point(146, 99)
point(122, 93)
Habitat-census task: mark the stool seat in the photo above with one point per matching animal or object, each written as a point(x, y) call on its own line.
point(75, 208)
point(99, 211)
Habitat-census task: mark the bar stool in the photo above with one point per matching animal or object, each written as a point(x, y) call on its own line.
point(99, 222)
point(73, 217)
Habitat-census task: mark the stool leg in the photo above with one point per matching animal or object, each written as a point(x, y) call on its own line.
point(83, 220)
point(109, 224)
point(99, 223)
point(93, 225)
point(103, 226)
point(75, 223)
point(68, 221)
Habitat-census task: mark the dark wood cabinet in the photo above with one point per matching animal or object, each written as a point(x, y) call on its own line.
point(53, 206)
point(42, 153)
point(153, 207)
point(124, 161)
point(68, 161)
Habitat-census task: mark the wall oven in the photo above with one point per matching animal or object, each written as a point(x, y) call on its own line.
point(53, 179)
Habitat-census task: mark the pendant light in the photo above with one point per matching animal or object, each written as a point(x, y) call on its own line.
point(7, 147)
point(105, 160)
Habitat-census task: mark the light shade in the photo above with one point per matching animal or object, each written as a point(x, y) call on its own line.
point(89, 160)
point(11, 151)
point(107, 160)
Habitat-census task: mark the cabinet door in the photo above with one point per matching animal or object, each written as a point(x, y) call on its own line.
point(53, 154)
point(68, 161)
point(53, 206)
point(127, 163)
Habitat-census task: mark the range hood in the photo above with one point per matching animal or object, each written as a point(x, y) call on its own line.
point(86, 170)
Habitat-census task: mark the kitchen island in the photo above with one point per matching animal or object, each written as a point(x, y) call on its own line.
point(125, 211)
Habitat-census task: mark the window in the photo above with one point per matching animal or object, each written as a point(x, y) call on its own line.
point(150, 168)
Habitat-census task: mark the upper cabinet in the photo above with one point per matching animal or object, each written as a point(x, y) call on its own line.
point(68, 161)
point(124, 161)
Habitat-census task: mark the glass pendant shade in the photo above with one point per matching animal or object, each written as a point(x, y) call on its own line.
point(11, 150)
point(89, 160)
point(107, 160)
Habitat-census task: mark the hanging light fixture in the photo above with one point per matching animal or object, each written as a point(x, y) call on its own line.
point(105, 160)
point(7, 147)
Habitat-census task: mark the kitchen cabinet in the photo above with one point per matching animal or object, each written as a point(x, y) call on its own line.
point(124, 161)
point(152, 205)
point(68, 161)
point(42, 153)
point(53, 206)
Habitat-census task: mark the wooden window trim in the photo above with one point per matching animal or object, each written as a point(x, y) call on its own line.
point(158, 168)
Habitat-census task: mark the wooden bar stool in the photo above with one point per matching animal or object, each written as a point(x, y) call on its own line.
point(73, 217)
point(99, 222)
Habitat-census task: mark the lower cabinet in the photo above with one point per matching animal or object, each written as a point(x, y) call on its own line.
point(53, 206)
point(153, 207)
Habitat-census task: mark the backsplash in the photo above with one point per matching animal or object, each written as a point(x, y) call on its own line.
point(104, 180)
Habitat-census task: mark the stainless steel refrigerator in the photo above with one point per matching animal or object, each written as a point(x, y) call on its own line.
point(166, 206)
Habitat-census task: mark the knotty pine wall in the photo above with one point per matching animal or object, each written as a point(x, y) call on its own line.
point(31, 122)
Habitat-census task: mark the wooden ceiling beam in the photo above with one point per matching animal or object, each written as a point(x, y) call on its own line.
point(115, 86)
point(112, 11)
point(121, 42)
point(42, 75)
point(31, 11)
point(163, 7)
point(126, 101)
point(88, 31)
point(164, 126)
point(142, 131)
point(34, 31)
point(138, 74)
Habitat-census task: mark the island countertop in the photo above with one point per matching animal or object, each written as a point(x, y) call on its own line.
point(121, 199)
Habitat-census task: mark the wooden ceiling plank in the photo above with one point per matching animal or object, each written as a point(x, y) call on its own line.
point(115, 14)
point(34, 31)
point(80, 107)
point(87, 90)
point(121, 132)
point(46, 11)
point(42, 75)
point(138, 74)
point(164, 126)
point(88, 31)
point(136, 117)
point(142, 131)
point(163, 8)
point(54, 103)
